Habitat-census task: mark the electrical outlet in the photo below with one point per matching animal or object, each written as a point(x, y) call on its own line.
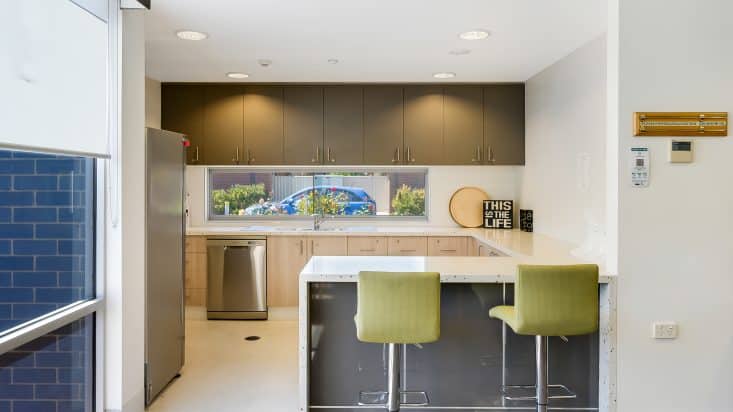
point(664, 330)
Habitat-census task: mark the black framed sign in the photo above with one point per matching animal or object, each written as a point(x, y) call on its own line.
point(498, 214)
point(526, 217)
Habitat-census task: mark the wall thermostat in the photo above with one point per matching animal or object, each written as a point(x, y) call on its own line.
point(639, 166)
point(680, 151)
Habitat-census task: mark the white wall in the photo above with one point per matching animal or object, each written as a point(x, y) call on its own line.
point(152, 103)
point(125, 281)
point(500, 182)
point(676, 236)
point(564, 177)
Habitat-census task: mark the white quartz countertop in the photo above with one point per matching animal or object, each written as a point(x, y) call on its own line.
point(451, 269)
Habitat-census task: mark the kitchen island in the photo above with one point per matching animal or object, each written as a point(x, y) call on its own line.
point(475, 355)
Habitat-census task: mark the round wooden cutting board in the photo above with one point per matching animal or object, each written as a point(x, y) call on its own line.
point(467, 205)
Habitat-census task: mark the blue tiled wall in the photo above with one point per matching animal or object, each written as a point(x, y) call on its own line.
point(50, 374)
point(45, 240)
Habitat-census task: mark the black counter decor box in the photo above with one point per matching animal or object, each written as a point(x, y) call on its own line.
point(525, 220)
point(498, 214)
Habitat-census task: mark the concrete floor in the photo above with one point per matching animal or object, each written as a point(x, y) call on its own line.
point(223, 372)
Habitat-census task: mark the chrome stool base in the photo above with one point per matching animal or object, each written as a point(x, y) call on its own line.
point(394, 397)
point(506, 392)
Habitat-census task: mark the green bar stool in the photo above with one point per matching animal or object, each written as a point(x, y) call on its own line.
point(397, 308)
point(550, 301)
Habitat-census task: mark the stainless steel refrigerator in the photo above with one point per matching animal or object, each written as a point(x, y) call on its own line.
point(164, 274)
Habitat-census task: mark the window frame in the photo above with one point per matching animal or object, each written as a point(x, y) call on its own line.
point(211, 170)
point(35, 328)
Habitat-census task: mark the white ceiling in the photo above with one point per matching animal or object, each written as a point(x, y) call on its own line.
point(374, 40)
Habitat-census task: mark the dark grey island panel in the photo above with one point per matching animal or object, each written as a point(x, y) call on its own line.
point(464, 369)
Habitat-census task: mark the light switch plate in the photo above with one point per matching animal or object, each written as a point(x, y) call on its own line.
point(664, 330)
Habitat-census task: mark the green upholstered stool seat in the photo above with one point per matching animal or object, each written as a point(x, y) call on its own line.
point(553, 301)
point(398, 307)
point(550, 301)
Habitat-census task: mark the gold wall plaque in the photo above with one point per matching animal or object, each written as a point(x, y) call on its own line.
point(680, 124)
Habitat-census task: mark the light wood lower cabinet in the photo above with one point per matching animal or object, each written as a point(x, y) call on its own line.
point(367, 246)
point(327, 246)
point(195, 271)
point(448, 246)
point(408, 246)
point(286, 256)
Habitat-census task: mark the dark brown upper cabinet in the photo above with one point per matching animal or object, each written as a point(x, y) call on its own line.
point(303, 125)
point(263, 125)
point(348, 124)
point(463, 125)
point(343, 140)
point(504, 124)
point(383, 125)
point(423, 142)
point(182, 111)
point(224, 125)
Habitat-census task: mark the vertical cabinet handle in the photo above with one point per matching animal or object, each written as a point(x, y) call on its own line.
point(330, 158)
point(250, 159)
point(235, 159)
point(317, 159)
point(490, 156)
point(397, 156)
point(477, 155)
point(301, 247)
point(408, 156)
point(196, 159)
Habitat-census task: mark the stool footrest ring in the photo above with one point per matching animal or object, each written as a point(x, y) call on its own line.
point(565, 392)
point(407, 398)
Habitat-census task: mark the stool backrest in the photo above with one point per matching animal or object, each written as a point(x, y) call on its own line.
point(556, 300)
point(398, 307)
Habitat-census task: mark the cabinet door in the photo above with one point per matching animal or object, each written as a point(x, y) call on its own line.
point(424, 125)
point(447, 246)
point(195, 276)
point(343, 137)
point(303, 125)
point(383, 125)
point(464, 125)
point(327, 246)
point(504, 124)
point(286, 256)
point(408, 246)
point(182, 111)
point(367, 246)
point(224, 124)
point(263, 125)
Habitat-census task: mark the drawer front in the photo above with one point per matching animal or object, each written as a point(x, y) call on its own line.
point(408, 246)
point(195, 244)
point(327, 246)
point(195, 271)
point(447, 246)
point(367, 246)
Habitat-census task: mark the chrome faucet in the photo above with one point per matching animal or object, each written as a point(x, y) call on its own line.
point(317, 221)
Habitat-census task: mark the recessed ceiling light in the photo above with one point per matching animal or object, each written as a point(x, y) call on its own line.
point(444, 75)
point(477, 34)
point(191, 35)
point(460, 52)
point(333, 61)
point(236, 75)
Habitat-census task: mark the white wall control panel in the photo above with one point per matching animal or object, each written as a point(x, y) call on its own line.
point(664, 330)
point(680, 151)
point(639, 165)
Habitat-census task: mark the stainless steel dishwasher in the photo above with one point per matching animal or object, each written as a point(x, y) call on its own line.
point(237, 278)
